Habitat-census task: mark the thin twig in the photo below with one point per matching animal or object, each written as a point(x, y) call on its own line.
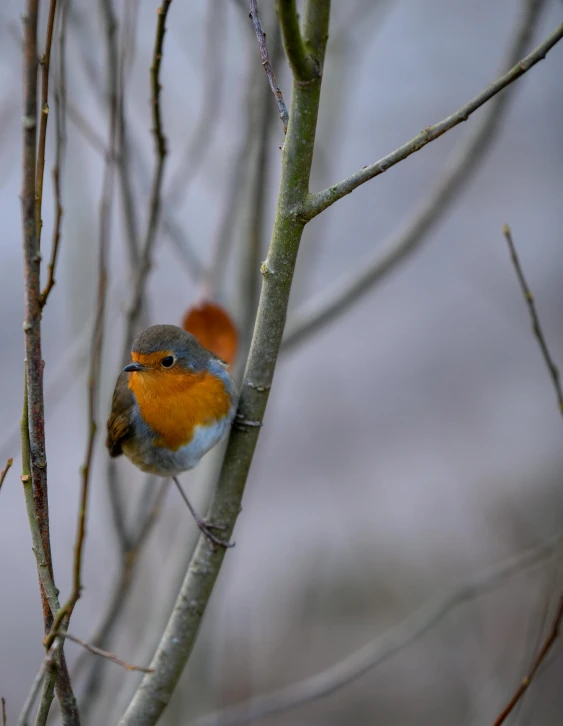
point(144, 265)
point(103, 653)
point(213, 80)
point(118, 87)
point(5, 470)
point(315, 315)
point(536, 324)
point(544, 650)
point(3, 700)
point(382, 647)
point(60, 148)
point(301, 64)
point(261, 36)
point(316, 203)
point(45, 63)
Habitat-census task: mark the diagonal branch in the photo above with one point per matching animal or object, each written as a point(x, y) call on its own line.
point(5, 470)
point(261, 36)
point(382, 647)
point(527, 680)
point(536, 324)
point(316, 203)
point(314, 315)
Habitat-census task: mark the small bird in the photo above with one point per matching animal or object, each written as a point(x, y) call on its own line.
point(171, 405)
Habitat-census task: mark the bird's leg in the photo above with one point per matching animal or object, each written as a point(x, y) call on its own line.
point(201, 523)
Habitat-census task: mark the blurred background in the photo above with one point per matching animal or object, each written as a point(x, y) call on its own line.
point(408, 444)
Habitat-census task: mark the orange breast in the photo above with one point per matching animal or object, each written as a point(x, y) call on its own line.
point(173, 402)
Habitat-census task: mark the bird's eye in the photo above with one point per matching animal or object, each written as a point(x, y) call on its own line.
point(168, 362)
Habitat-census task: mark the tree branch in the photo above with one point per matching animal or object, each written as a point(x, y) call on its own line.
point(5, 470)
point(382, 647)
point(103, 653)
point(316, 203)
point(35, 421)
point(314, 315)
point(60, 148)
point(45, 63)
point(544, 650)
point(536, 324)
point(178, 639)
point(261, 36)
point(301, 64)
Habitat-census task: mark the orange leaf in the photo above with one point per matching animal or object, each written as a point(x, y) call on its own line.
point(213, 328)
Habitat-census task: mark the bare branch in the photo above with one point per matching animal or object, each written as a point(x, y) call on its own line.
point(316, 203)
point(60, 148)
point(103, 653)
point(261, 36)
point(315, 315)
point(5, 470)
point(536, 324)
point(300, 62)
point(4, 722)
point(527, 680)
point(381, 648)
point(48, 664)
point(45, 63)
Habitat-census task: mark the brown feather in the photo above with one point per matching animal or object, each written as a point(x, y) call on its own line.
point(119, 421)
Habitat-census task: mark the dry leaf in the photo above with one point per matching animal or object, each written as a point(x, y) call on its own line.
point(213, 328)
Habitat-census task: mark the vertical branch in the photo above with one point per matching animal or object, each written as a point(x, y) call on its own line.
point(32, 260)
point(59, 96)
point(32, 330)
point(45, 63)
point(178, 639)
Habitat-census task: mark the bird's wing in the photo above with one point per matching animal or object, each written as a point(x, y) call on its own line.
point(119, 421)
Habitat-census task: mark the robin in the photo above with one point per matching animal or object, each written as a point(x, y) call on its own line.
point(171, 404)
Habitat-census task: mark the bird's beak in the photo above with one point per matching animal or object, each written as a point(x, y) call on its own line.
point(134, 367)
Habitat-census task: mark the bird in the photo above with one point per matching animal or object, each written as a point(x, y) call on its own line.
point(172, 403)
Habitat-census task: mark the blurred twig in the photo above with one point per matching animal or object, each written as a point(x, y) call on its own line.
point(544, 650)
point(3, 700)
point(381, 648)
point(315, 315)
point(261, 36)
point(48, 664)
point(213, 77)
point(536, 324)
point(316, 203)
point(123, 160)
point(60, 148)
point(145, 259)
point(103, 653)
point(5, 471)
point(120, 594)
point(173, 229)
point(45, 63)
